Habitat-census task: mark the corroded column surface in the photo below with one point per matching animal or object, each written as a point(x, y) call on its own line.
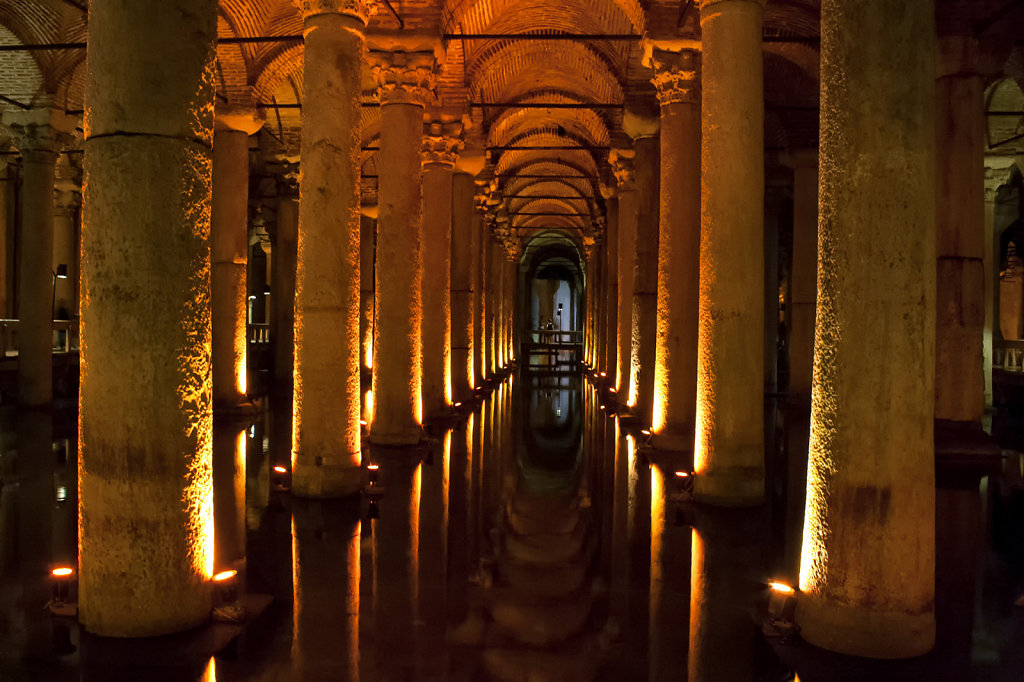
point(677, 80)
point(645, 273)
point(622, 164)
point(439, 155)
point(228, 245)
point(464, 262)
point(326, 398)
point(609, 353)
point(39, 135)
point(145, 405)
point(729, 436)
point(404, 86)
point(867, 570)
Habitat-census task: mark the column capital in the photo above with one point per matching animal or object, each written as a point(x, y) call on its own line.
point(358, 9)
point(241, 118)
point(711, 7)
point(44, 131)
point(623, 167)
point(998, 171)
point(676, 74)
point(442, 143)
point(406, 77)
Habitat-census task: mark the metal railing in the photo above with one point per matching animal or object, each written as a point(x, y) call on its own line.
point(258, 333)
point(1008, 356)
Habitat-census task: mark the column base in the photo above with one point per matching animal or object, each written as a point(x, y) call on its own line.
point(861, 631)
point(327, 476)
point(730, 487)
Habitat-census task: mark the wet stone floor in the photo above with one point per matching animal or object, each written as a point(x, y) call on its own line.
point(537, 539)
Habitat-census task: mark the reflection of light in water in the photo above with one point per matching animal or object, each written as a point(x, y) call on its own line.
point(210, 674)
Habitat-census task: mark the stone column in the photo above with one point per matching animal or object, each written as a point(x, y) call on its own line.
point(609, 353)
point(479, 246)
point(729, 436)
point(229, 242)
point(677, 80)
point(326, 398)
point(622, 164)
point(494, 304)
point(145, 404)
point(8, 185)
point(39, 135)
point(644, 131)
point(590, 252)
point(68, 201)
point(867, 570)
point(405, 82)
point(439, 154)
point(464, 264)
point(511, 270)
point(367, 250)
point(283, 292)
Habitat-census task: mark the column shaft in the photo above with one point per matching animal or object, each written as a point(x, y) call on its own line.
point(645, 279)
point(609, 353)
point(867, 570)
point(145, 404)
point(464, 258)
point(367, 246)
point(282, 290)
point(729, 437)
point(478, 247)
point(326, 397)
point(626, 256)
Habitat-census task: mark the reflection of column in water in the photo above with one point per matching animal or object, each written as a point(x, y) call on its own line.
point(433, 553)
point(257, 475)
point(325, 570)
point(619, 579)
point(396, 561)
point(639, 509)
point(460, 523)
point(474, 433)
point(228, 493)
point(670, 585)
point(65, 512)
point(604, 449)
point(490, 473)
point(723, 577)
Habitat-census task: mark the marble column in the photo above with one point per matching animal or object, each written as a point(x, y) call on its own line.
point(440, 152)
point(479, 248)
point(622, 161)
point(867, 572)
point(326, 396)
point(145, 534)
point(405, 82)
point(644, 130)
point(229, 242)
point(729, 433)
point(464, 262)
point(609, 353)
point(39, 134)
point(677, 80)
point(494, 304)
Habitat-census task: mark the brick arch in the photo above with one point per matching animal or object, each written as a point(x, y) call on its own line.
point(581, 123)
point(476, 16)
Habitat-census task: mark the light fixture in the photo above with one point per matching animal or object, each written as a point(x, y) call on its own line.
point(781, 604)
point(62, 271)
point(280, 469)
point(62, 582)
point(226, 608)
point(373, 469)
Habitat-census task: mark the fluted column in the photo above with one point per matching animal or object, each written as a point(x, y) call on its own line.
point(465, 254)
point(644, 131)
point(404, 83)
point(867, 572)
point(229, 243)
point(677, 79)
point(39, 135)
point(622, 165)
point(145, 402)
point(440, 152)
point(326, 398)
point(729, 436)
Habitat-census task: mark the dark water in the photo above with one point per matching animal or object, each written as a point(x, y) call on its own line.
point(537, 540)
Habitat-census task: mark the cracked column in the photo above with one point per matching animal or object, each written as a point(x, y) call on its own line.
point(621, 161)
point(229, 242)
point(326, 400)
point(867, 572)
point(465, 253)
point(145, 405)
point(729, 431)
point(440, 151)
point(405, 81)
point(677, 80)
point(39, 134)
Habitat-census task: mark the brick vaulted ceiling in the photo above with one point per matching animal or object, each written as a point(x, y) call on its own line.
point(480, 77)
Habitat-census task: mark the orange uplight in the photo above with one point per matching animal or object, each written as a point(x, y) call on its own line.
point(781, 588)
point(373, 467)
point(225, 575)
point(604, 374)
point(280, 469)
point(62, 572)
point(682, 474)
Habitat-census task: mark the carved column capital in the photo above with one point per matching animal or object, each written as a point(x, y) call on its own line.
point(359, 9)
point(406, 78)
point(241, 118)
point(676, 75)
point(441, 149)
point(623, 167)
point(39, 131)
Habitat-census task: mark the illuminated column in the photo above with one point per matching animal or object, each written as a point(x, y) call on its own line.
point(39, 135)
point(511, 270)
point(465, 253)
point(590, 251)
point(367, 236)
point(494, 303)
point(644, 132)
point(867, 571)
point(677, 79)
point(229, 436)
point(326, 396)
point(609, 353)
point(487, 278)
point(282, 291)
point(479, 246)
point(65, 243)
point(229, 241)
point(622, 165)
point(405, 81)
point(145, 404)
point(439, 155)
point(729, 437)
